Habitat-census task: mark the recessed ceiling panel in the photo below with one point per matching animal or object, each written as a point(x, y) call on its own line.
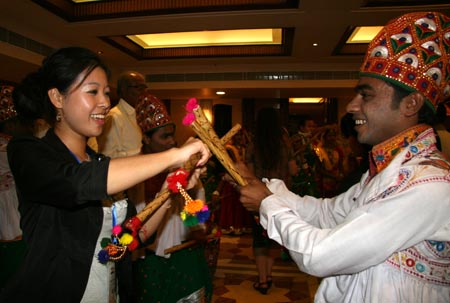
point(94, 10)
point(141, 53)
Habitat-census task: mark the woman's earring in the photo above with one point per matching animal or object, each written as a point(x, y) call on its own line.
point(58, 117)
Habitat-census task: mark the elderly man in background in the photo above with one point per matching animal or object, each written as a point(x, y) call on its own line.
point(121, 134)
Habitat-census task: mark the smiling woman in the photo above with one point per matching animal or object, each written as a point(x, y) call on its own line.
point(66, 191)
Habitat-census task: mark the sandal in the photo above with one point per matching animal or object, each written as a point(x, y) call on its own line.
point(269, 281)
point(261, 287)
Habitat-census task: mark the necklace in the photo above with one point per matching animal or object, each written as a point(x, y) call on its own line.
point(88, 158)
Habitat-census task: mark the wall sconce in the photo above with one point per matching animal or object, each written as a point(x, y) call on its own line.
point(206, 106)
point(306, 100)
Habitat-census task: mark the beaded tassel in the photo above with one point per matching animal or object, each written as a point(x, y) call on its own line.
point(194, 211)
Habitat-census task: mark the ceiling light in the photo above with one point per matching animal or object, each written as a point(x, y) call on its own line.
point(267, 36)
point(315, 44)
point(364, 34)
point(306, 100)
point(220, 92)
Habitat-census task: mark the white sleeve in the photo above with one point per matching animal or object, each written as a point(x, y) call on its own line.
point(319, 212)
point(368, 235)
point(109, 142)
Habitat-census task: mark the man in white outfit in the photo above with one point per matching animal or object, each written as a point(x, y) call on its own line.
point(387, 238)
point(122, 136)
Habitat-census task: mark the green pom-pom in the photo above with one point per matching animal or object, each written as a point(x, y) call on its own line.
point(190, 221)
point(105, 242)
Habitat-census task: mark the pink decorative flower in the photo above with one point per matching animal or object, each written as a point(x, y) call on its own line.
point(117, 230)
point(191, 105)
point(188, 119)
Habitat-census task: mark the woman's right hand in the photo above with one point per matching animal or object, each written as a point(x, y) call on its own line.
point(193, 146)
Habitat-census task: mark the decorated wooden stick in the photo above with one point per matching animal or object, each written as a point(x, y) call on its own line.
point(183, 246)
point(194, 211)
point(164, 194)
point(197, 120)
point(179, 247)
point(151, 207)
point(227, 137)
point(123, 239)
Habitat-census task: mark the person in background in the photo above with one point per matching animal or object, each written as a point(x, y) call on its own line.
point(305, 181)
point(233, 219)
point(292, 163)
point(12, 247)
point(355, 162)
point(331, 157)
point(387, 238)
point(181, 276)
point(121, 134)
point(267, 160)
point(65, 189)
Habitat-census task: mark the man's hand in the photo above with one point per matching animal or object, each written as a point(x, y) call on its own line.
point(254, 192)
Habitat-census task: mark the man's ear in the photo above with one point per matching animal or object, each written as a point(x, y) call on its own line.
point(412, 103)
point(55, 97)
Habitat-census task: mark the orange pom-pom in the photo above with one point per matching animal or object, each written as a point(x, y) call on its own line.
point(194, 206)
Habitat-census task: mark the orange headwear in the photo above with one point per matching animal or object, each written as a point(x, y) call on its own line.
point(6, 103)
point(413, 51)
point(151, 113)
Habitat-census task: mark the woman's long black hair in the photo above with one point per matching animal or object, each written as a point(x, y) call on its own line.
point(61, 70)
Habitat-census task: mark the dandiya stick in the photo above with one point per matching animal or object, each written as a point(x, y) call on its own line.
point(221, 154)
point(182, 246)
point(179, 247)
point(206, 125)
point(164, 194)
point(227, 137)
point(205, 131)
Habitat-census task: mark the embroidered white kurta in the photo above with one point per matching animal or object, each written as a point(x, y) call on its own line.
point(356, 239)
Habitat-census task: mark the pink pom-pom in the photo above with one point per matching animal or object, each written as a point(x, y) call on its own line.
point(204, 208)
point(117, 230)
point(188, 119)
point(191, 105)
